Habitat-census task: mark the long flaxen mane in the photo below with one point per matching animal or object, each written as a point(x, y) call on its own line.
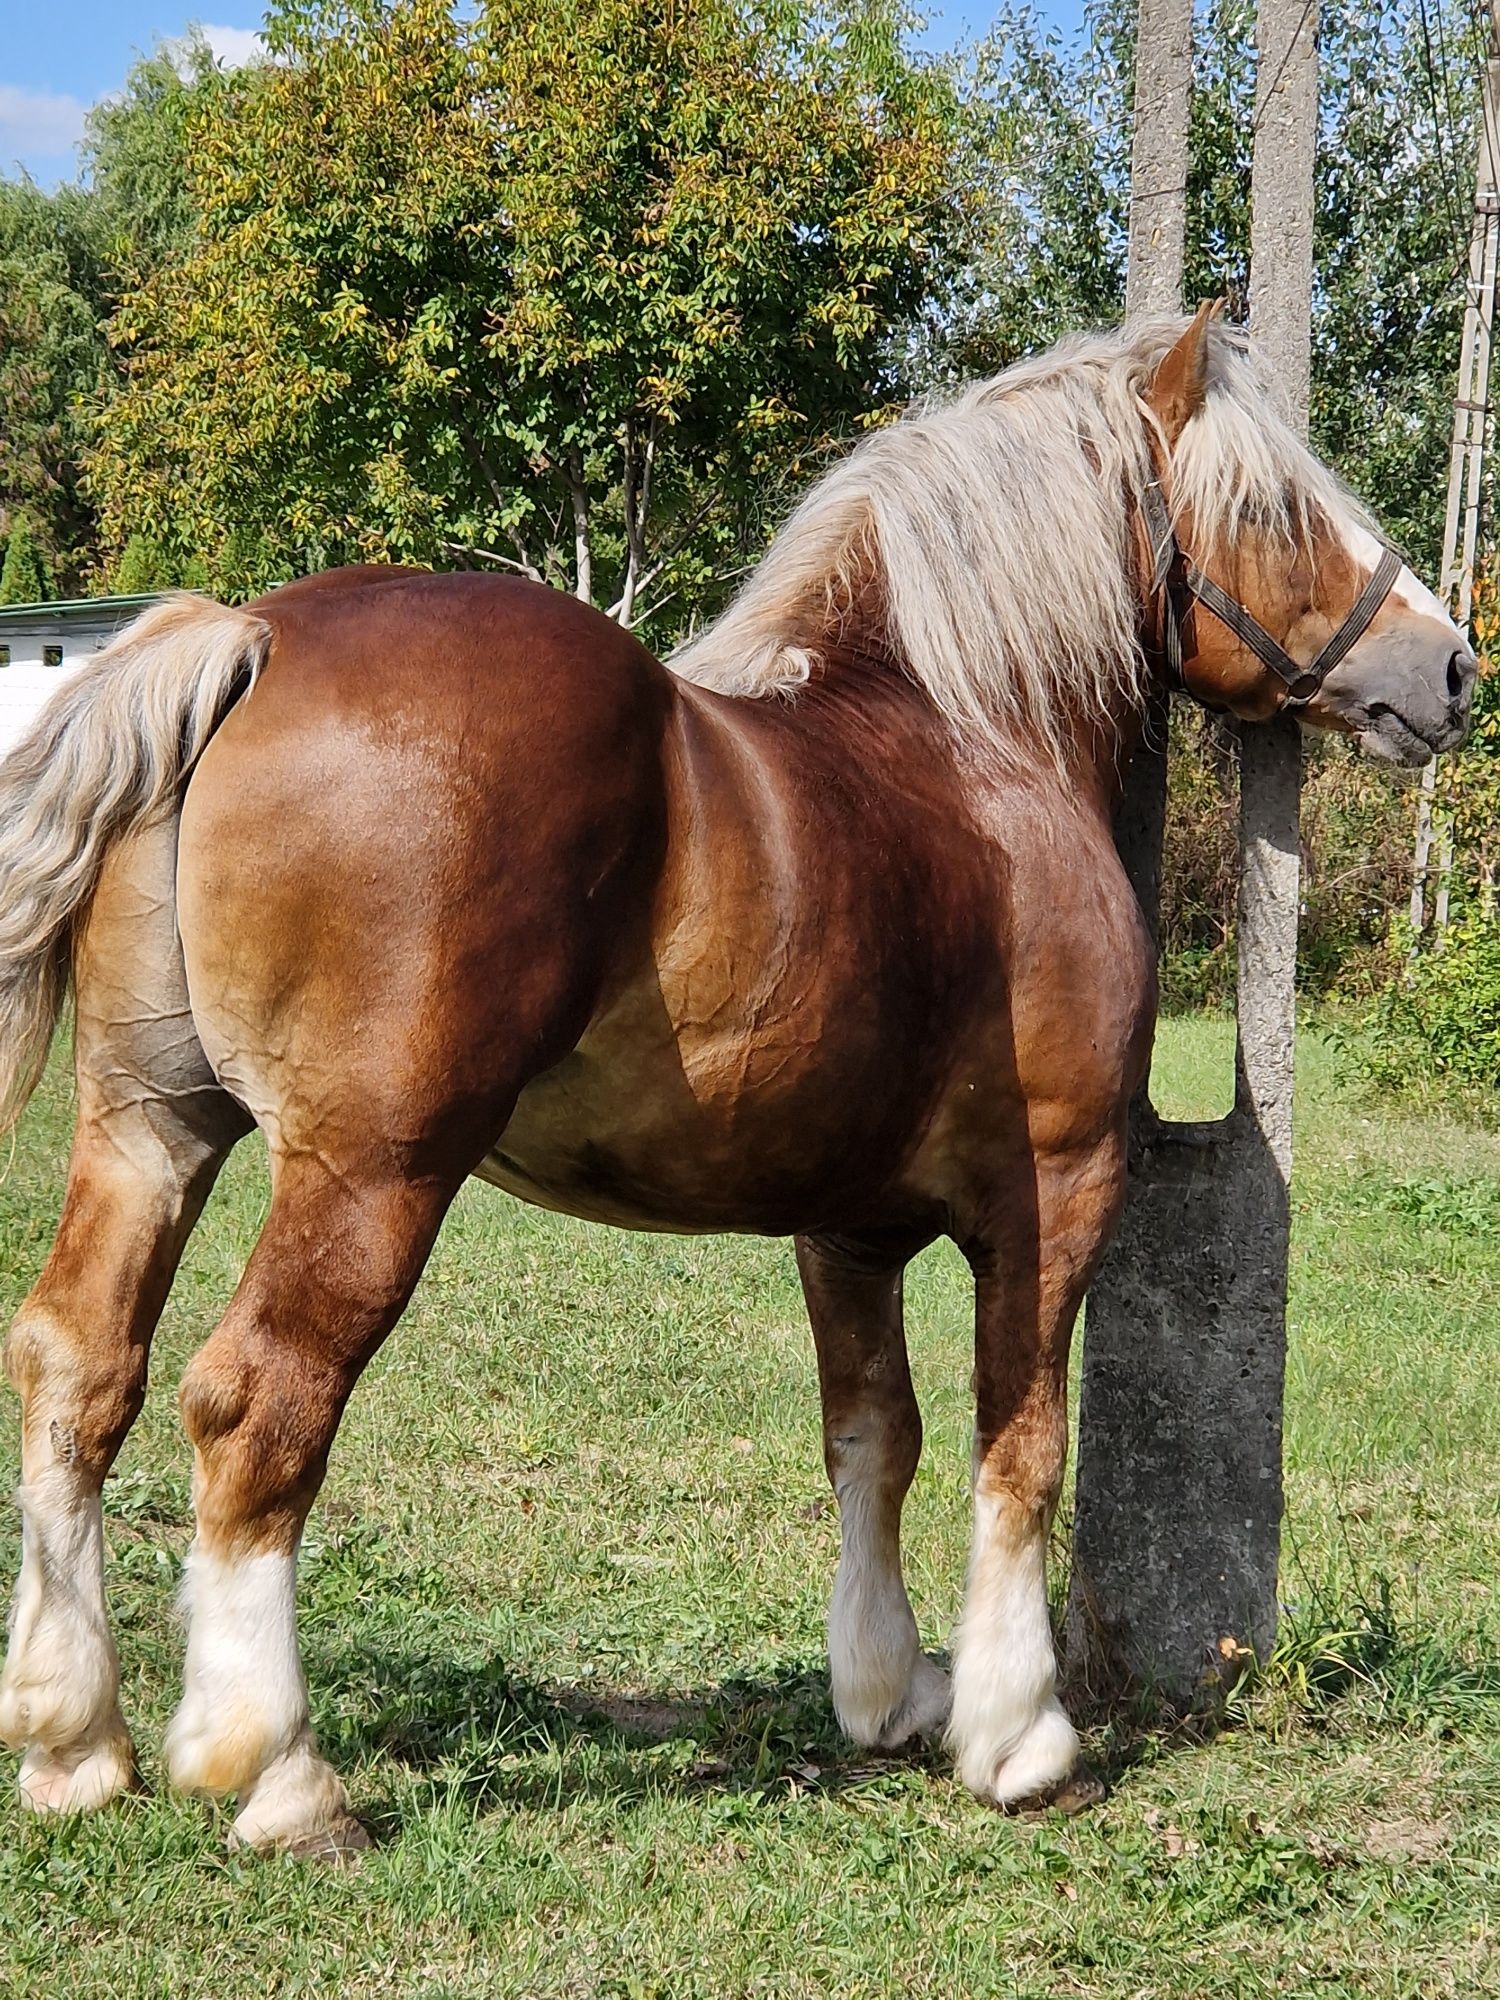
point(989, 537)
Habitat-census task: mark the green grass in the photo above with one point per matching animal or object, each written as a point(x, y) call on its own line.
point(562, 1612)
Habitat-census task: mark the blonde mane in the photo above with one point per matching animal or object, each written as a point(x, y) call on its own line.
point(988, 536)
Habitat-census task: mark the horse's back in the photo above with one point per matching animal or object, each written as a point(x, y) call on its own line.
point(502, 657)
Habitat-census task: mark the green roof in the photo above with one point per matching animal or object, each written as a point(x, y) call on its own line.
point(75, 607)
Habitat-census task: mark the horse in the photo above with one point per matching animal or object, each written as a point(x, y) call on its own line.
point(818, 930)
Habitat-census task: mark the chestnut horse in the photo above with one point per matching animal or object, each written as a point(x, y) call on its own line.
point(820, 931)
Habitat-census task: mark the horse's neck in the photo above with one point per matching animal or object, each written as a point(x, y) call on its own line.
point(1106, 749)
point(860, 691)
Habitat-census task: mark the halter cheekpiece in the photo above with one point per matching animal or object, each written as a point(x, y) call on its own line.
point(1302, 683)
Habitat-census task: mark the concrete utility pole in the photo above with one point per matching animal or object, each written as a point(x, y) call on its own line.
point(1470, 435)
point(1153, 283)
point(1177, 1533)
point(1159, 156)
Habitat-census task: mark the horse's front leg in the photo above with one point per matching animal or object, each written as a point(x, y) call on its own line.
point(885, 1689)
point(1032, 1265)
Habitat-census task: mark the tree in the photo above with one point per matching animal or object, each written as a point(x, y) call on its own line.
point(137, 153)
point(25, 577)
point(565, 289)
point(65, 257)
point(1391, 208)
point(52, 365)
point(1054, 173)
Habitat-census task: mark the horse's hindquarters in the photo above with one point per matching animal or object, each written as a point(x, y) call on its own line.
point(410, 860)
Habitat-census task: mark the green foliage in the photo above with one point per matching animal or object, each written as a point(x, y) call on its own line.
point(137, 152)
point(52, 364)
point(140, 567)
point(1366, 1654)
point(1200, 863)
point(567, 289)
point(1392, 241)
point(25, 577)
point(1356, 831)
point(1390, 217)
point(1055, 174)
point(143, 565)
point(1469, 1204)
point(1436, 1026)
point(64, 259)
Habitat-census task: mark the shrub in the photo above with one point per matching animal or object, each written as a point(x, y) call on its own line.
point(25, 578)
point(1356, 858)
point(1438, 1020)
point(142, 566)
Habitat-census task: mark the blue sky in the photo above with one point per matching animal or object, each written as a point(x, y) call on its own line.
point(57, 57)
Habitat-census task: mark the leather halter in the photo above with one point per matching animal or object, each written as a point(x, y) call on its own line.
point(1302, 683)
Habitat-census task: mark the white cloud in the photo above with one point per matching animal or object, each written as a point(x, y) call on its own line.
point(38, 123)
point(233, 47)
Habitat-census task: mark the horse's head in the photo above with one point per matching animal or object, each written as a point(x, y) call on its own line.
point(1271, 593)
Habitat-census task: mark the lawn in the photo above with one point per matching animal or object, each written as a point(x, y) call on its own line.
point(562, 1612)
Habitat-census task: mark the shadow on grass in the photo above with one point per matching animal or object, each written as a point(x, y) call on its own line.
point(504, 1739)
point(479, 1732)
point(484, 1737)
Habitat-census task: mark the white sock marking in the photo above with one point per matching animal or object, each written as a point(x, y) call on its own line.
point(1009, 1733)
point(61, 1677)
point(884, 1688)
point(244, 1694)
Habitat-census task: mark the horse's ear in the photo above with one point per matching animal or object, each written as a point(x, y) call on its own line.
point(1181, 379)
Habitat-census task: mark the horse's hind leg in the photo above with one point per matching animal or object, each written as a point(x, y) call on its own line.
point(885, 1689)
point(152, 1129)
point(343, 1245)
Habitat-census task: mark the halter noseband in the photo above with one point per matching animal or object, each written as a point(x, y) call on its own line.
point(1302, 683)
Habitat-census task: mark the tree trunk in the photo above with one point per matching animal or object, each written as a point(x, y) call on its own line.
point(583, 554)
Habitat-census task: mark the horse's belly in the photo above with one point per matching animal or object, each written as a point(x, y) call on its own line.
point(594, 1190)
point(612, 1148)
point(651, 1123)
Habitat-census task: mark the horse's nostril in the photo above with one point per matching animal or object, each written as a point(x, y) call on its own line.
point(1461, 670)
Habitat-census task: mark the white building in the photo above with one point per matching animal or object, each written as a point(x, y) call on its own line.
point(41, 644)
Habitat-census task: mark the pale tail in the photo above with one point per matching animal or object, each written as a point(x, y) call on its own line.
point(109, 752)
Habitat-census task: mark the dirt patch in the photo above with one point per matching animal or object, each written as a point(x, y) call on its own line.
point(638, 1716)
point(1407, 1838)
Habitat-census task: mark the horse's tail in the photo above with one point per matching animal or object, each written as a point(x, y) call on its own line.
point(108, 752)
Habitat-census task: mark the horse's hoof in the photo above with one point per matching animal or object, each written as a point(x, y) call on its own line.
point(886, 1720)
point(53, 1784)
point(923, 1714)
point(342, 1845)
point(1077, 1793)
point(1037, 1765)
